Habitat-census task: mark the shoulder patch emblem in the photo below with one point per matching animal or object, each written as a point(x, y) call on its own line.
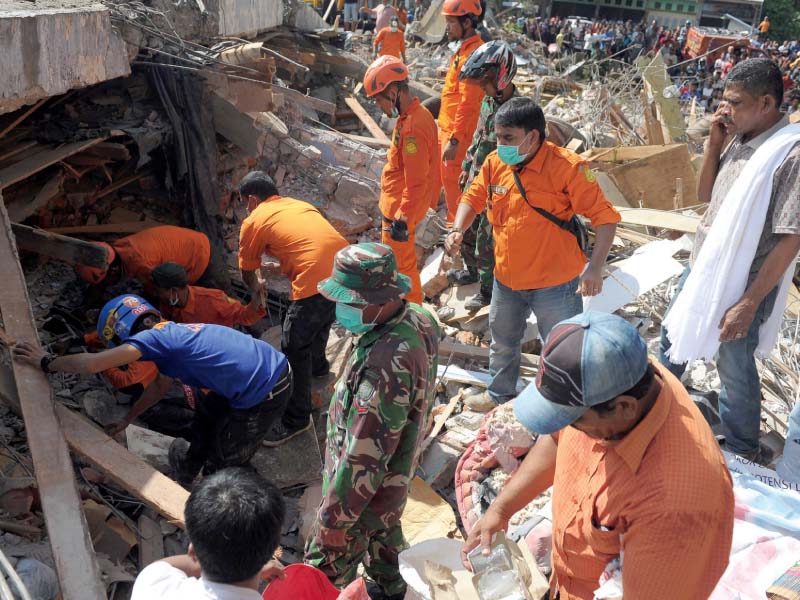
point(411, 145)
point(364, 395)
point(590, 176)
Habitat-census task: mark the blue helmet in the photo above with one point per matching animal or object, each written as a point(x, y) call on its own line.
point(116, 320)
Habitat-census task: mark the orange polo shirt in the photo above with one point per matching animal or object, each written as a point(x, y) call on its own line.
point(206, 305)
point(140, 371)
point(392, 43)
point(142, 252)
point(298, 235)
point(409, 182)
point(461, 100)
point(662, 496)
point(530, 251)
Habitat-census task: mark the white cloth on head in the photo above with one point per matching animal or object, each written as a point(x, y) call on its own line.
point(718, 278)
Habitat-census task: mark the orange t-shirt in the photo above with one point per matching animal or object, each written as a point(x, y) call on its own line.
point(206, 305)
point(461, 100)
point(298, 235)
point(662, 495)
point(142, 252)
point(408, 182)
point(530, 251)
point(139, 371)
point(391, 43)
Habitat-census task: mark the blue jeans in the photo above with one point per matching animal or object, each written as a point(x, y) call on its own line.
point(740, 386)
point(508, 314)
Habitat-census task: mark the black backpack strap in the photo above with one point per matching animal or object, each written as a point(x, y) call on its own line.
point(546, 214)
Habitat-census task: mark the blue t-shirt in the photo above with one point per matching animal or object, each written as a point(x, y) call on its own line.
point(235, 365)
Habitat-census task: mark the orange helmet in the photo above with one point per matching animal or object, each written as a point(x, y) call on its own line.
point(461, 8)
point(384, 71)
point(96, 274)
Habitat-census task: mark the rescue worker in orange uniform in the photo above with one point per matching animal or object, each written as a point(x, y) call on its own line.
point(408, 184)
point(461, 99)
point(184, 303)
point(390, 41)
point(138, 254)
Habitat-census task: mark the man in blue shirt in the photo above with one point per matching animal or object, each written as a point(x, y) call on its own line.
point(245, 382)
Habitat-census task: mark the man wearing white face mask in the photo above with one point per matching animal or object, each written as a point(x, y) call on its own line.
point(390, 41)
point(532, 190)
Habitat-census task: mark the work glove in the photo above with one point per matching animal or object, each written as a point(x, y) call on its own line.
point(398, 230)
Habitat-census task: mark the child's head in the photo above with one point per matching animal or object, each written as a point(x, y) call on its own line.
point(233, 519)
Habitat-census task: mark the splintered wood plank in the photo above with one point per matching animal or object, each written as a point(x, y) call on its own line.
point(60, 247)
point(125, 469)
point(366, 119)
point(31, 396)
point(659, 218)
point(41, 160)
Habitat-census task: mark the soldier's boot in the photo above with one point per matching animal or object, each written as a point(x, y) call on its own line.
point(462, 276)
point(479, 401)
point(479, 300)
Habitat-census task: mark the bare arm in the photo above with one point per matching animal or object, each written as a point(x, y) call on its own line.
point(79, 363)
point(716, 143)
point(465, 215)
point(259, 294)
point(591, 282)
point(151, 395)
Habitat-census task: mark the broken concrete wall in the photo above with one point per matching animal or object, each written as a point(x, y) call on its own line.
point(247, 17)
point(48, 51)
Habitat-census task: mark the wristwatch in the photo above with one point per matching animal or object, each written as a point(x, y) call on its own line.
point(455, 230)
point(45, 362)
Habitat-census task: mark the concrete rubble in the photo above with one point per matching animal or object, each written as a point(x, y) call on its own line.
point(89, 149)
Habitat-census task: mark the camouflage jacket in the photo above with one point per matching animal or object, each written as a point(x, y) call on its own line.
point(378, 414)
point(484, 141)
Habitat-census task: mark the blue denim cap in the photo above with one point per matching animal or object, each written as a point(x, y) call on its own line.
point(586, 360)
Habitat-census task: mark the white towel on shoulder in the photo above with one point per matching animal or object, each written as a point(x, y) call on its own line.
point(719, 275)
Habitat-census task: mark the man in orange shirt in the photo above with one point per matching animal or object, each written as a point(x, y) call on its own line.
point(390, 41)
point(138, 254)
point(305, 244)
point(526, 185)
point(635, 469)
point(408, 182)
point(461, 99)
point(184, 303)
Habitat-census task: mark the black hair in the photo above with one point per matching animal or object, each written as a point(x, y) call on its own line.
point(521, 112)
point(233, 518)
point(758, 77)
point(638, 391)
point(258, 184)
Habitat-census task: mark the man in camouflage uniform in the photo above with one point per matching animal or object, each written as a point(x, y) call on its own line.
point(377, 418)
point(487, 66)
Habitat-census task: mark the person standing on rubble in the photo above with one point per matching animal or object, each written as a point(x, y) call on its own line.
point(532, 191)
point(635, 469)
point(744, 249)
point(305, 244)
point(390, 41)
point(378, 415)
point(138, 254)
point(493, 67)
point(461, 100)
point(248, 382)
point(409, 180)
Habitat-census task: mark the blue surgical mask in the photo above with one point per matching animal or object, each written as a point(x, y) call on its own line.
point(352, 318)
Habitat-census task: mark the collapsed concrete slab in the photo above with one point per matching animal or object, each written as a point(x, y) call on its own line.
point(48, 49)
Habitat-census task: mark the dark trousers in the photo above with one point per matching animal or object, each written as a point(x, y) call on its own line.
point(222, 436)
point(303, 341)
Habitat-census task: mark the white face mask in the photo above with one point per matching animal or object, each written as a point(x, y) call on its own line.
point(174, 301)
point(393, 28)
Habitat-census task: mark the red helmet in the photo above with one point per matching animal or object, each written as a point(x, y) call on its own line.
point(96, 274)
point(462, 8)
point(384, 71)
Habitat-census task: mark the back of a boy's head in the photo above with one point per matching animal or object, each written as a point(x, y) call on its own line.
point(233, 519)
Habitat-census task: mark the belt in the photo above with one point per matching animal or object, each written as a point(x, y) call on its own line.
point(283, 383)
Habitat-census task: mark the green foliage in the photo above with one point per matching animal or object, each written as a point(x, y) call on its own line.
point(784, 19)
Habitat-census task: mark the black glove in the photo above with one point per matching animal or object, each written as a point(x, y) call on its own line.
point(399, 231)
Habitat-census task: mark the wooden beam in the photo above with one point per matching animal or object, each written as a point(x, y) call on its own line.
point(76, 563)
point(41, 160)
point(369, 141)
point(366, 119)
point(60, 247)
point(478, 353)
point(105, 228)
point(22, 117)
point(151, 541)
point(125, 469)
point(659, 218)
point(323, 106)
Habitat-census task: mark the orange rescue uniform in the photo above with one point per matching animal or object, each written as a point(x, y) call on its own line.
point(530, 251)
point(409, 185)
point(458, 117)
point(206, 305)
point(662, 495)
point(391, 43)
point(138, 372)
point(142, 252)
point(298, 235)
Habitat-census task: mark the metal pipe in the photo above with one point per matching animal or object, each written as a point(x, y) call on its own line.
point(6, 564)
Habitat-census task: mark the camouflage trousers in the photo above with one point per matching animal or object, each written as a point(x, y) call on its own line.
point(378, 550)
point(477, 249)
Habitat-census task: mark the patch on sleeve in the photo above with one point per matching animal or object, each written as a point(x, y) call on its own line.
point(589, 175)
point(365, 394)
point(411, 145)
